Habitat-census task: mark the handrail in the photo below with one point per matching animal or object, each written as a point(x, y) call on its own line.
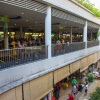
point(92, 43)
point(17, 56)
point(58, 49)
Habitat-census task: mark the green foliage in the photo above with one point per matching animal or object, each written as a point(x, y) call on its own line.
point(90, 6)
point(90, 77)
point(95, 95)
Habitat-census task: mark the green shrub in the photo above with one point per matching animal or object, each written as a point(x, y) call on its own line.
point(90, 77)
point(95, 95)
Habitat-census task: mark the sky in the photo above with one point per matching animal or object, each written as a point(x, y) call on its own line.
point(96, 2)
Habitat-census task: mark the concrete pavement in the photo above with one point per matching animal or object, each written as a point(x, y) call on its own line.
point(80, 95)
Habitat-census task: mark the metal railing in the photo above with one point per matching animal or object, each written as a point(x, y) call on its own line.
point(92, 43)
point(13, 57)
point(67, 48)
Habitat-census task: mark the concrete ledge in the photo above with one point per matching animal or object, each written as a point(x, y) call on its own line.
point(13, 77)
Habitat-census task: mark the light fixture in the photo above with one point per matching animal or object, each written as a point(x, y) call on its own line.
point(65, 22)
point(36, 22)
point(15, 24)
point(36, 9)
point(22, 13)
point(26, 20)
point(36, 25)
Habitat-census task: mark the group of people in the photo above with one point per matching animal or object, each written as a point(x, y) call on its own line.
point(77, 88)
point(62, 84)
point(22, 42)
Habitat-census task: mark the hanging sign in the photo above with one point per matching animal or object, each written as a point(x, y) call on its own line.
point(4, 19)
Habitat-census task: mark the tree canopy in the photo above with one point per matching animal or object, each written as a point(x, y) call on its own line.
point(90, 6)
point(95, 95)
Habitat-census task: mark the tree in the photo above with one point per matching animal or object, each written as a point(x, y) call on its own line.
point(95, 95)
point(90, 6)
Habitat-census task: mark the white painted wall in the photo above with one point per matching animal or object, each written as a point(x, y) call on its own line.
point(72, 7)
point(12, 77)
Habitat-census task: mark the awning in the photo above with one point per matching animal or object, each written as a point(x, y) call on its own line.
point(61, 73)
point(91, 24)
point(15, 93)
point(75, 66)
point(27, 4)
point(84, 64)
point(38, 88)
point(67, 16)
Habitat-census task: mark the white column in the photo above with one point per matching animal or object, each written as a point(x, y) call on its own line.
point(98, 34)
point(71, 35)
point(85, 34)
point(48, 30)
point(6, 42)
point(50, 96)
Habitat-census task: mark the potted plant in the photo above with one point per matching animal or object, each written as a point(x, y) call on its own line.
point(90, 77)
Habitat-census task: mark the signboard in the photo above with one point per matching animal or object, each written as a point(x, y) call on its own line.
point(4, 19)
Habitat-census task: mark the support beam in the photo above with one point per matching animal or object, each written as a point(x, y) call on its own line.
point(48, 31)
point(71, 32)
point(85, 34)
point(6, 42)
point(98, 34)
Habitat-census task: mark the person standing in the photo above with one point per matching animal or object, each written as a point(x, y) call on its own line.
point(13, 43)
point(56, 92)
point(80, 87)
point(59, 85)
point(58, 45)
point(74, 89)
point(70, 97)
point(86, 88)
point(74, 81)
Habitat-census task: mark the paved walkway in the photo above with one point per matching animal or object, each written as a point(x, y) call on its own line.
point(64, 93)
point(92, 88)
point(80, 95)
